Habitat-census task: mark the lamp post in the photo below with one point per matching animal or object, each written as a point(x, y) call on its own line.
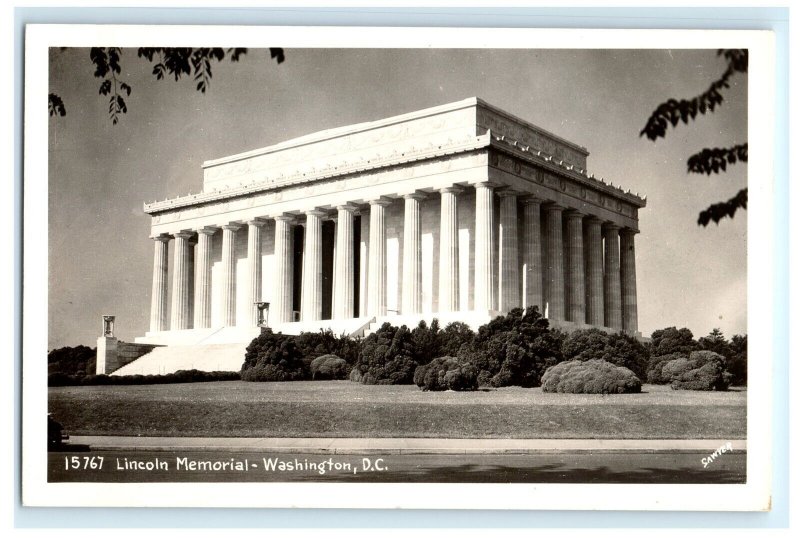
point(263, 313)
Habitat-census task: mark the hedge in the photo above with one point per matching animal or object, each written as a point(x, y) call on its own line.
point(329, 367)
point(273, 357)
point(177, 377)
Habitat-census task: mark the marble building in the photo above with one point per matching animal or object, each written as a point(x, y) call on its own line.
point(457, 212)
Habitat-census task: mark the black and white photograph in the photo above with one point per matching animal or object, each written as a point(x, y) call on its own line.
point(315, 261)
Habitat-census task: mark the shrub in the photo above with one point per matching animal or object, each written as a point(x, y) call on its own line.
point(426, 342)
point(591, 376)
point(320, 343)
point(737, 362)
point(620, 349)
point(702, 371)
point(444, 373)
point(671, 340)
point(514, 349)
point(453, 337)
point(655, 368)
point(72, 360)
point(386, 357)
point(273, 357)
point(329, 367)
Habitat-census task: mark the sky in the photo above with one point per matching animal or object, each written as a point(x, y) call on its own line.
point(100, 254)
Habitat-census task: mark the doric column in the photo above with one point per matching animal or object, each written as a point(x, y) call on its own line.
point(376, 287)
point(412, 256)
point(202, 279)
point(628, 277)
point(613, 298)
point(344, 265)
point(284, 269)
point(595, 310)
point(508, 289)
point(311, 294)
point(576, 291)
point(254, 267)
point(180, 282)
point(229, 274)
point(532, 254)
point(448, 250)
point(484, 247)
point(158, 306)
point(554, 262)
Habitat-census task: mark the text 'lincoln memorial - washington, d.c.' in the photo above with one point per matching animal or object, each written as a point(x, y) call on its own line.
point(459, 212)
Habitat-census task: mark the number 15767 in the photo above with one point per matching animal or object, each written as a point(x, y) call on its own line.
point(83, 463)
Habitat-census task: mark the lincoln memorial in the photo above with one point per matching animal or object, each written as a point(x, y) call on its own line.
point(458, 212)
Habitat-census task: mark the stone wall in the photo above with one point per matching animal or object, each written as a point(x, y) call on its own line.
point(113, 354)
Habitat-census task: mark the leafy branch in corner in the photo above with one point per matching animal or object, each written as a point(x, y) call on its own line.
point(708, 160)
point(172, 62)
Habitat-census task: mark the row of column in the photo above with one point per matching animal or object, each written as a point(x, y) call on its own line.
point(573, 276)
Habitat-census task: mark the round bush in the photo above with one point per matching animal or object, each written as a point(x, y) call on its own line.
point(702, 371)
point(386, 357)
point(655, 367)
point(592, 376)
point(329, 367)
point(273, 357)
point(444, 373)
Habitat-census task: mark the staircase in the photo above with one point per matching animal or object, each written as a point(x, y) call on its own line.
point(202, 357)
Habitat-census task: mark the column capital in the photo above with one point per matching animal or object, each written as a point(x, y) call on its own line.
point(572, 213)
point(611, 227)
point(317, 212)
point(231, 226)
point(529, 200)
point(256, 222)
point(507, 192)
point(207, 230)
point(454, 189)
point(488, 184)
point(184, 234)
point(416, 195)
point(382, 201)
point(286, 218)
point(628, 231)
point(164, 238)
point(553, 206)
point(349, 207)
point(594, 220)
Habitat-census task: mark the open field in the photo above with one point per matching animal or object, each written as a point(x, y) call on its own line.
point(346, 409)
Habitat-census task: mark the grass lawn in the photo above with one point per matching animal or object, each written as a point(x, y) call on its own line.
point(347, 409)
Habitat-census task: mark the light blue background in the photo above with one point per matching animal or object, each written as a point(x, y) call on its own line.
point(776, 19)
